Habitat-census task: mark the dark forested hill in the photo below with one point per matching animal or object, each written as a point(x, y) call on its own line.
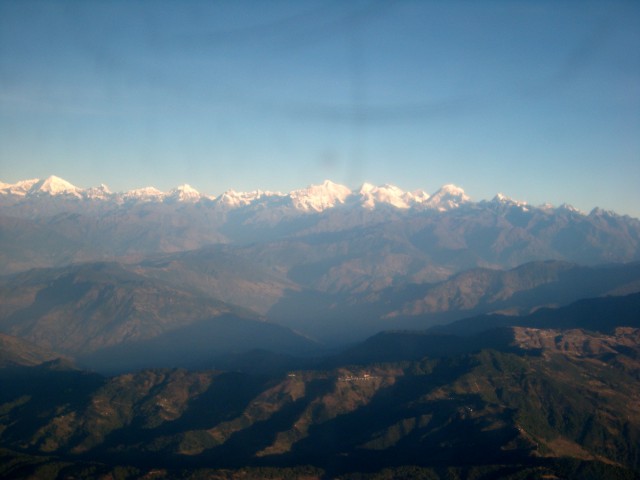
point(597, 314)
point(537, 404)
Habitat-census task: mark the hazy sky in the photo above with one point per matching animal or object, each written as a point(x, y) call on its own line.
point(538, 99)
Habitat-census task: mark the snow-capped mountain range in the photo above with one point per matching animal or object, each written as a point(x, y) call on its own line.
point(314, 198)
point(51, 222)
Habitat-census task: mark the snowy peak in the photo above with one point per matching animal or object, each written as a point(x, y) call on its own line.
point(419, 197)
point(184, 193)
point(501, 199)
point(19, 189)
point(233, 199)
point(146, 194)
point(448, 197)
point(319, 197)
point(101, 192)
point(370, 196)
point(54, 186)
point(569, 208)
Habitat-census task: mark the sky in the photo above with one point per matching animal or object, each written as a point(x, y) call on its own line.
point(539, 100)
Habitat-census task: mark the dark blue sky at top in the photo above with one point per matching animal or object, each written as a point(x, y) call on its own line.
point(539, 100)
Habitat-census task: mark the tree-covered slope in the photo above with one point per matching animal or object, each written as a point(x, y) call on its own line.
point(552, 397)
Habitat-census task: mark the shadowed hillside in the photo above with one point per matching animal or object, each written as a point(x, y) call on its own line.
point(535, 403)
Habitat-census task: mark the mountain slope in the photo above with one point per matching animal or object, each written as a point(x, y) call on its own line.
point(200, 344)
point(349, 315)
point(83, 309)
point(221, 272)
point(596, 314)
point(15, 351)
point(493, 414)
point(89, 307)
point(593, 318)
point(80, 309)
point(517, 290)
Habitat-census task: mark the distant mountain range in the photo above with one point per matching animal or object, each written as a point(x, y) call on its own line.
point(377, 235)
point(314, 198)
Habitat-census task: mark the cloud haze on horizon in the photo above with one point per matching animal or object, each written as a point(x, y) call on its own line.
point(538, 100)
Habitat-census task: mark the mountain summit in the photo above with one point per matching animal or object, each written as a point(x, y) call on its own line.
point(54, 186)
point(320, 197)
point(184, 193)
point(448, 197)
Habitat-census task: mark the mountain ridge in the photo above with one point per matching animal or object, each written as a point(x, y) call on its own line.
point(83, 308)
point(313, 198)
point(434, 237)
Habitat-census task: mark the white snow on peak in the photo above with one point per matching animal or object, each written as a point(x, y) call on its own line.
point(504, 200)
point(569, 208)
point(54, 186)
point(418, 197)
point(19, 189)
point(319, 197)
point(451, 189)
point(101, 192)
point(234, 199)
point(447, 197)
point(312, 199)
point(366, 187)
point(184, 193)
point(146, 194)
point(370, 196)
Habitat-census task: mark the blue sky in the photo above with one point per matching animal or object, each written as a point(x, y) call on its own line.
point(539, 100)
